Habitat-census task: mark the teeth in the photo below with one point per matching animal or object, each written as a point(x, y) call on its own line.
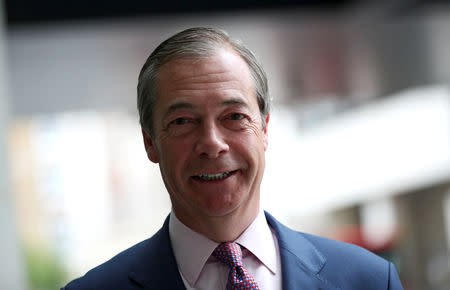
point(217, 176)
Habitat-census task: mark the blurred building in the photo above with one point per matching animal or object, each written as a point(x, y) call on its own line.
point(359, 134)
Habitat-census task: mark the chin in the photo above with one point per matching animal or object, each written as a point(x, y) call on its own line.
point(218, 209)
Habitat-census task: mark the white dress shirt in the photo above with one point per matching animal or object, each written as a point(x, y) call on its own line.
point(199, 270)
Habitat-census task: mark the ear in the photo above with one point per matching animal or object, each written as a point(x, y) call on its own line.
point(150, 148)
point(266, 136)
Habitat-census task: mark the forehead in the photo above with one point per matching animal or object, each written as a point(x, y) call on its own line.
point(219, 61)
point(221, 74)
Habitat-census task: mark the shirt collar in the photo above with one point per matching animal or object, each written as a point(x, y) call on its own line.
point(259, 240)
point(192, 249)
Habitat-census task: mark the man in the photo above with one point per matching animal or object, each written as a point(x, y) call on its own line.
point(204, 110)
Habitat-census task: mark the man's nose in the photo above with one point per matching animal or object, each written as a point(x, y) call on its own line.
point(211, 142)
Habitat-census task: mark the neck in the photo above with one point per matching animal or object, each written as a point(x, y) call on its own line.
point(225, 228)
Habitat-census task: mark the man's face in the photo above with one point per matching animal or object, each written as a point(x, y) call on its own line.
point(208, 137)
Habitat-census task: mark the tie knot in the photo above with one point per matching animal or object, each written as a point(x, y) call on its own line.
point(229, 254)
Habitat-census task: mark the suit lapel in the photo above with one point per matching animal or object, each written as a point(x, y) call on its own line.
point(155, 267)
point(301, 262)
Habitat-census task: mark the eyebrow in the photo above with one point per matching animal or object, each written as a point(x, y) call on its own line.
point(234, 101)
point(177, 106)
point(185, 105)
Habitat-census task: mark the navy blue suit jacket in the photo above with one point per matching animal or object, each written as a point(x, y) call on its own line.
point(307, 262)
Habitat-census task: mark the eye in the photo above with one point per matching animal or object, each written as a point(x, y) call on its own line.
point(181, 126)
point(237, 116)
point(180, 121)
point(236, 121)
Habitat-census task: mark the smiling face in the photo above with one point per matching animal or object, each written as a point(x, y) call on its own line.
point(209, 139)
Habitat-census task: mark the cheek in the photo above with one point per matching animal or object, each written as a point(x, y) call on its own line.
point(170, 172)
point(173, 146)
point(257, 139)
point(175, 154)
point(250, 146)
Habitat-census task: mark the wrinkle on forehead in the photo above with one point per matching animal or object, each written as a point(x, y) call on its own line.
point(215, 77)
point(200, 69)
point(185, 79)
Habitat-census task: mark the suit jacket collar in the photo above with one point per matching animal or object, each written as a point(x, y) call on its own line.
point(301, 262)
point(156, 267)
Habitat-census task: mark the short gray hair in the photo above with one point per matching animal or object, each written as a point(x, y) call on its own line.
point(194, 42)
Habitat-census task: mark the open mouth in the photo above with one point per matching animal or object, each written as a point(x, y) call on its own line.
point(213, 177)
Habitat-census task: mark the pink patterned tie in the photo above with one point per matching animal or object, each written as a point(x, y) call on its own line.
point(238, 279)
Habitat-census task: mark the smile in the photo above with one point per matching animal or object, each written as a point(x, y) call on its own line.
point(218, 176)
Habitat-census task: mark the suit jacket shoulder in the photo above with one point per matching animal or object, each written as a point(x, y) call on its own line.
point(148, 264)
point(312, 262)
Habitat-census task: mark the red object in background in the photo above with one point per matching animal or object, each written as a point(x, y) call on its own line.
point(354, 234)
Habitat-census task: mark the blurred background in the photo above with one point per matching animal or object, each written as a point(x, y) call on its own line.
point(359, 146)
